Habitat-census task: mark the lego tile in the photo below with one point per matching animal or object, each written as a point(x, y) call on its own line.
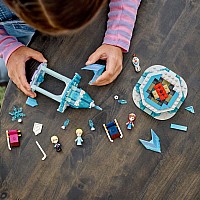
point(178, 127)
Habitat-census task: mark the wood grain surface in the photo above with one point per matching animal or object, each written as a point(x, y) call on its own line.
point(167, 32)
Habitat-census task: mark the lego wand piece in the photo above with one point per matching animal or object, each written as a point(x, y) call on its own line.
point(44, 154)
point(8, 141)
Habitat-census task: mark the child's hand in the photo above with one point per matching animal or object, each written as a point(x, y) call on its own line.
point(16, 67)
point(113, 56)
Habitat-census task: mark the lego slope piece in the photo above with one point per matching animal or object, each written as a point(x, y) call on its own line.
point(190, 109)
point(71, 96)
point(97, 69)
point(159, 92)
point(178, 127)
point(154, 144)
point(31, 102)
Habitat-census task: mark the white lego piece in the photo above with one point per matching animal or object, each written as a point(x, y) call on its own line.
point(44, 154)
point(37, 128)
point(136, 63)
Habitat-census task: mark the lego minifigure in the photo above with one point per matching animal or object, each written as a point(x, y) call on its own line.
point(131, 119)
point(79, 139)
point(57, 145)
point(136, 63)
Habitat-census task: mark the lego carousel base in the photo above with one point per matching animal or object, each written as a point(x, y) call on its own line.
point(159, 92)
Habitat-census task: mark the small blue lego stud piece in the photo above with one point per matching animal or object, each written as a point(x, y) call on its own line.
point(120, 101)
point(79, 139)
point(190, 109)
point(17, 114)
point(154, 144)
point(65, 124)
point(31, 102)
point(91, 124)
point(97, 69)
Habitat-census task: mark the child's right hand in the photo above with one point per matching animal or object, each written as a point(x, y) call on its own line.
point(16, 67)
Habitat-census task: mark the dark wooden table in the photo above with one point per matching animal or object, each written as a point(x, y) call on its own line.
point(167, 33)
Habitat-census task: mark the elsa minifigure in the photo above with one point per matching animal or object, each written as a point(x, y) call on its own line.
point(79, 139)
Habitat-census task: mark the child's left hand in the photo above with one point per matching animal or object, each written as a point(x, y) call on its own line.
point(113, 56)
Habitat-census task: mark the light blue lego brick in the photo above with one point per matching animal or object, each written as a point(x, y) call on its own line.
point(152, 103)
point(178, 127)
point(153, 114)
point(141, 79)
point(137, 87)
point(31, 102)
point(142, 107)
point(190, 109)
point(173, 111)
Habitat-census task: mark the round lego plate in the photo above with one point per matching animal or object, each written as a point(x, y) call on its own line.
point(159, 92)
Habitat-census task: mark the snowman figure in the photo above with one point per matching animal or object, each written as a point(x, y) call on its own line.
point(136, 63)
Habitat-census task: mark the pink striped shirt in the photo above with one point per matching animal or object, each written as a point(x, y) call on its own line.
point(121, 20)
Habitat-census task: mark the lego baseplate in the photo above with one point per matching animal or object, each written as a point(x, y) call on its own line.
point(159, 92)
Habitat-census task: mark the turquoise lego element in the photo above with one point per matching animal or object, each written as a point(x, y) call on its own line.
point(143, 92)
point(17, 114)
point(122, 101)
point(71, 96)
point(65, 124)
point(178, 127)
point(190, 109)
point(31, 102)
point(91, 124)
point(154, 144)
point(97, 69)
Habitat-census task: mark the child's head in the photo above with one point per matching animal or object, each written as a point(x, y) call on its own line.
point(56, 16)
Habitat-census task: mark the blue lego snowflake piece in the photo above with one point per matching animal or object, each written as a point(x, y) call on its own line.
point(17, 114)
point(153, 144)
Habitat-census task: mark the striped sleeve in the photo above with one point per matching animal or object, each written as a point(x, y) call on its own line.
point(8, 44)
point(121, 20)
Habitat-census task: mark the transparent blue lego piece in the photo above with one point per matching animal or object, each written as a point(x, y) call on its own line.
point(122, 101)
point(154, 144)
point(91, 124)
point(97, 69)
point(178, 127)
point(31, 102)
point(190, 109)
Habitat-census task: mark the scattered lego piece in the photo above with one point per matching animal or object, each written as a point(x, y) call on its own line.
point(190, 109)
point(13, 138)
point(159, 92)
point(44, 154)
point(17, 114)
point(57, 145)
point(79, 139)
point(65, 124)
point(97, 69)
point(31, 102)
point(131, 119)
point(37, 128)
point(71, 96)
point(91, 124)
point(136, 63)
point(153, 144)
point(113, 130)
point(178, 127)
point(120, 101)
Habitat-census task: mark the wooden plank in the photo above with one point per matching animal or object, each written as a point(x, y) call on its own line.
point(167, 33)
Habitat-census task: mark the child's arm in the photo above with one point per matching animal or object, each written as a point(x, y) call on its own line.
point(15, 54)
point(121, 20)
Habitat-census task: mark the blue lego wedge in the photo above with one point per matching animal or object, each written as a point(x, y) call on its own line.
point(97, 69)
point(178, 127)
point(190, 109)
point(71, 96)
point(154, 144)
point(31, 102)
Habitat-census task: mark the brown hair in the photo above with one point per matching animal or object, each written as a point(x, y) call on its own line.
point(56, 16)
